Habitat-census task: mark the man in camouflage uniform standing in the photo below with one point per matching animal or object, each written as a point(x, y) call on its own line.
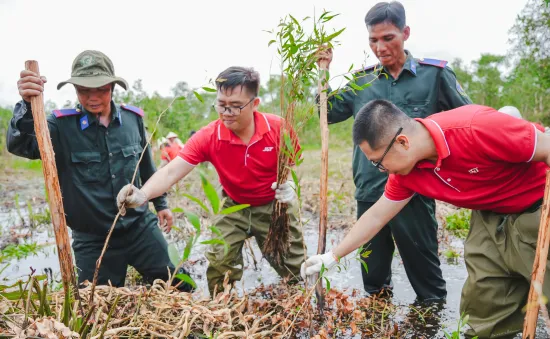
point(97, 147)
point(420, 87)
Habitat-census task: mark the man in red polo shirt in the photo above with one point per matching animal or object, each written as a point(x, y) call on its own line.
point(171, 146)
point(472, 157)
point(243, 147)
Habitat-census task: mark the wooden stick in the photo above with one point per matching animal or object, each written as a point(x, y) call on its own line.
point(106, 243)
point(323, 209)
point(49, 169)
point(539, 266)
point(249, 246)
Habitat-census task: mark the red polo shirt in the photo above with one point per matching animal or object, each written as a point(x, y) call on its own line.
point(246, 172)
point(170, 152)
point(484, 162)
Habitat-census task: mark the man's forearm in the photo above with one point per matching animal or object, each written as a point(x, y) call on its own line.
point(157, 184)
point(370, 223)
point(164, 178)
point(362, 232)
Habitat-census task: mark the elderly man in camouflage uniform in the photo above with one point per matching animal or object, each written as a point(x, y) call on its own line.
point(97, 146)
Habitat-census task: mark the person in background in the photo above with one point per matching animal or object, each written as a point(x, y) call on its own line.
point(513, 111)
point(174, 140)
point(164, 156)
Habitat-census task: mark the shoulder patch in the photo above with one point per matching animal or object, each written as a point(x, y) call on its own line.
point(133, 109)
point(460, 90)
point(59, 113)
point(433, 62)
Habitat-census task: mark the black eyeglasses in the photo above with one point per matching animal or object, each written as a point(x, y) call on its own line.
point(232, 110)
point(378, 164)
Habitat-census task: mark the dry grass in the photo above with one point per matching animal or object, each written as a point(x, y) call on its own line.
point(279, 311)
point(275, 311)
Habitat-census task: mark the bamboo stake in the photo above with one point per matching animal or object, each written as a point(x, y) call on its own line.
point(249, 246)
point(55, 200)
point(323, 214)
point(539, 266)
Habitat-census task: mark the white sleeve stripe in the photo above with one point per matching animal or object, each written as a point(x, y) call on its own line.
point(186, 161)
point(535, 148)
point(385, 196)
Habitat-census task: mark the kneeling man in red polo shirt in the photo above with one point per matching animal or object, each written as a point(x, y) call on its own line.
point(472, 157)
point(242, 145)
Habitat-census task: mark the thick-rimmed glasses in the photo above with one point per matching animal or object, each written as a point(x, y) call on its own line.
point(231, 110)
point(378, 164)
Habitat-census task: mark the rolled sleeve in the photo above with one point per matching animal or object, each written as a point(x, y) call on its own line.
point(21, 138)
point(22, 118)
point(160, 203)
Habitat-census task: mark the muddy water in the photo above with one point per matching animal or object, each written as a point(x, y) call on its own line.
point(46, 262)
point(447, 317)
point(404, 295)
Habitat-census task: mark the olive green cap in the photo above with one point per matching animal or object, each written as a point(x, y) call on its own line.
point(93, 69)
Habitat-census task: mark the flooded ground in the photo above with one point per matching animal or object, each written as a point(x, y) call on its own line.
point(15, 227)
point(46, 262)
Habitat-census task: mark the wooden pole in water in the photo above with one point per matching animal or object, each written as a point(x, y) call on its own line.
point(323, 209)
point(49, 169)
point(539, 266)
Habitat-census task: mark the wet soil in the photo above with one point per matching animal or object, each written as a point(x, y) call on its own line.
point(424, 321)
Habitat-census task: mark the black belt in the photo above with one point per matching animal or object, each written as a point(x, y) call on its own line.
point(534, 207)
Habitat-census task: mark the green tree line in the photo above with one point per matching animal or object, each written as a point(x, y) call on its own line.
point(521, 78)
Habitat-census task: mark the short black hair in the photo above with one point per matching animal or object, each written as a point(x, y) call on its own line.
point(377, 121)
point(236, 76)
point(392, 12)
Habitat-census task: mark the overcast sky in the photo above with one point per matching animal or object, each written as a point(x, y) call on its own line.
point(163, 42)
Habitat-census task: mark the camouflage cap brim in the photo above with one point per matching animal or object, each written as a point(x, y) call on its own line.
point(94, 81)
